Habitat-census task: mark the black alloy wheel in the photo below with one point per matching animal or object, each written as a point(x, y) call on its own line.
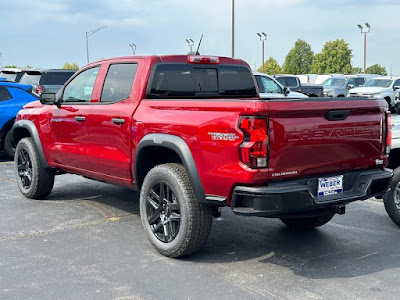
point(175, 223)
point(34, 180)
point(24, 168)
point(163, 212)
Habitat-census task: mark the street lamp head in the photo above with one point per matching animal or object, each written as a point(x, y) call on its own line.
point(264, 34)
point(369, 26)
point(259, 34)
point(359, 26)
point(191, 40)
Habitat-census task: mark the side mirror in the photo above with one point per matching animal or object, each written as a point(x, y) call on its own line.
point(350, 86)
point(48, 98)
point(396, 87)
point(286, 91)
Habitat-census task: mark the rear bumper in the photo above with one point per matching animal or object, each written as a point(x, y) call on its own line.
point(300, 196)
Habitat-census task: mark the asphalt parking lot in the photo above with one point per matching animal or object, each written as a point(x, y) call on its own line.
point(86, 242)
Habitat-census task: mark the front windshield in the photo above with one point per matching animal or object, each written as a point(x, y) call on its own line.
point(334, 82)
point(384, 83)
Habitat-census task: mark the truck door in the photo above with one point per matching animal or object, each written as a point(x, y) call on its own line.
point(110, 124)
point(68, 136)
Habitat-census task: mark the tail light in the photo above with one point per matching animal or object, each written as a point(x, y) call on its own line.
point(39, 90)
point(308, 79)
point(388, 132)
point(254, 149)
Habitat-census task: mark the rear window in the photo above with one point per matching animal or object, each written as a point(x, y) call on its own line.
point(9, 76)
point(55, 78)
point(201, 81)
point(30, 77)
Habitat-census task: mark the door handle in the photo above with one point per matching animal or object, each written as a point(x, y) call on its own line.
point(118, 121)
point(337, 115)
point(80, 118)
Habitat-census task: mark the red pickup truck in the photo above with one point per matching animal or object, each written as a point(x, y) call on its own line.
point(191, 133)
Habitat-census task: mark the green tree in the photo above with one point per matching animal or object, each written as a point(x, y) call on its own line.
point(299, 59)
point(335, 57)
point(376, 69)
point(271, 67)
point(28, 67)
point(70, 66)
point(356, 70)
point(11, 66)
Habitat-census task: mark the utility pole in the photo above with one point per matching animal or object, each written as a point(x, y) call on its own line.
point(89, 33)
point(133, 46)
point(263, 37)
point(233, 28)
point(365, 42)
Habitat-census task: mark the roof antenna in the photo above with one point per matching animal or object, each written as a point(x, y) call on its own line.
point(198, 47)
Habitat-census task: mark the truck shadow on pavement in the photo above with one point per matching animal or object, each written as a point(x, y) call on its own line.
point(335, 250)
point(112, 200)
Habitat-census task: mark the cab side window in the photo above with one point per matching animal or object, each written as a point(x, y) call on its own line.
point(118, 82)
point(270, 86)
point(397, 83)
point(81, 87)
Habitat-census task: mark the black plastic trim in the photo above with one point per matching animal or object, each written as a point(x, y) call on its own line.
point(178, 145)
point(30, 126)
point(296, 196)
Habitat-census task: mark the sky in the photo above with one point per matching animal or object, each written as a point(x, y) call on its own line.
point(49, 33)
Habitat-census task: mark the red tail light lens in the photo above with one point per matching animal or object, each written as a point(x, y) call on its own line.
point(197, 59)
point(388, 132)
point(39, 90)
point(254, 149)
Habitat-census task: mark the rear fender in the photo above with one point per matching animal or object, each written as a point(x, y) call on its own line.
point(179, 146)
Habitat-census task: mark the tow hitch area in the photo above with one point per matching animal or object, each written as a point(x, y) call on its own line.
point(340, 209)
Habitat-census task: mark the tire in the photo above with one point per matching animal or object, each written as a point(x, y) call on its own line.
point(34, 181)
point(173, 220)
point(397, 108)
point(308, 223)
point(392, 197)
point(8, 146)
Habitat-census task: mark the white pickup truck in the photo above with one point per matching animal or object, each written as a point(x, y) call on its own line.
point(384, 87)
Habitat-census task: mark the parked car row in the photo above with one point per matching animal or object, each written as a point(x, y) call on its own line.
point(17, 88)
point(338, 85)
point(41, 80)
point(12, 97)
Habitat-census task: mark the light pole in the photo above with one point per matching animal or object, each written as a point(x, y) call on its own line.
point(89, 33)
point(365, 41)
point(133, 46)
point(190, 44)
point(233, 28)
point(263, 37)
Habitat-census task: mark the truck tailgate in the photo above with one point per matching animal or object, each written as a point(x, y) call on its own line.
point(321, 136)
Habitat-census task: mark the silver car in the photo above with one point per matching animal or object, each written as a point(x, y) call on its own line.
point(339, 86)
